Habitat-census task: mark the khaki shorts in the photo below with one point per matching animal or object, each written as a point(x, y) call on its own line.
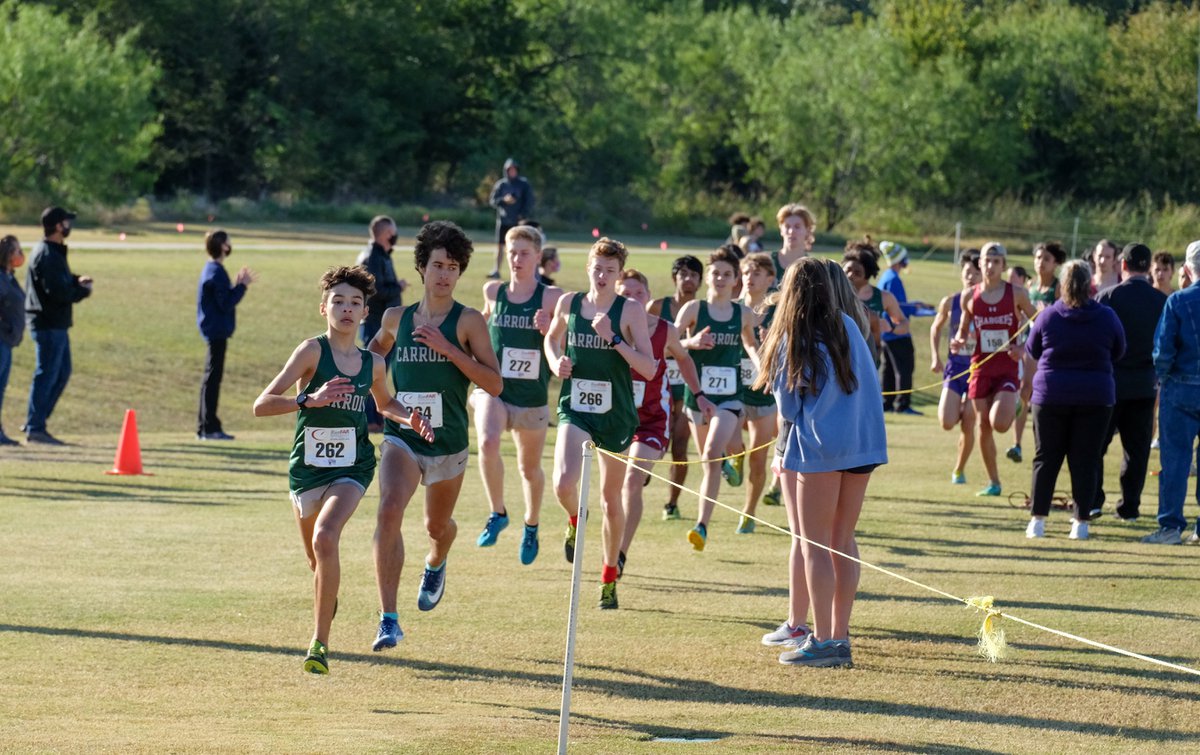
point(309, 502)
point(434, 469)
point(758, 412)
point(517, 417)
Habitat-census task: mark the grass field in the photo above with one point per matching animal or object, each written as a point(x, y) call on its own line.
point(170, 612)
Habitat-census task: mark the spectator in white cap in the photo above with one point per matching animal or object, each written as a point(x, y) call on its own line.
point(898, 356)
point(1177, 363)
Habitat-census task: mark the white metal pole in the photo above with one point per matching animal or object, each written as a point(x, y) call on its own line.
point(958, 242)
point(1075, 237)
point(564, 713)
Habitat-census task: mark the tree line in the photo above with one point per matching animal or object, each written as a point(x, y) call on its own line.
point(625, 109)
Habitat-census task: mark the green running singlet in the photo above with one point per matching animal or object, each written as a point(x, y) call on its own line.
point(331, 441)
point(518, 346)
point(430, 383)
point(598, 397)
point(1045, 297)
point(751, 397)
point(673, 378)
point(720, 366)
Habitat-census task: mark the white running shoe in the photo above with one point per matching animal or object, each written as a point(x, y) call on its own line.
point(1036, 528)
point(786, 635)
point(1079, 530)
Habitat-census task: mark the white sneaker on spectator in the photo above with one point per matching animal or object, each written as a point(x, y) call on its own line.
point(1036, 528)
point(1079, 530)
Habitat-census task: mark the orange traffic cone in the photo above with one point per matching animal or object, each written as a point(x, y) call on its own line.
point(129, 451)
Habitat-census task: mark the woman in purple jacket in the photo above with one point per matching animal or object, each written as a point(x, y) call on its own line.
point(1076, 341)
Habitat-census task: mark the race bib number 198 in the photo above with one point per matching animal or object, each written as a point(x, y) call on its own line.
point(329, 446)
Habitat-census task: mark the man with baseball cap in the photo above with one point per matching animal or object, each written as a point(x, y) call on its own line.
point(1177, 364)
point(51, 290)
point(1138, 305)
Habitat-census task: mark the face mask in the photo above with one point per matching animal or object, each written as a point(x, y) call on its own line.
point(66, 231)
point(393, 239)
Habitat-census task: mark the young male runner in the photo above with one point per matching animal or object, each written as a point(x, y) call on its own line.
point(954, 408)
point(718, 329)
point(518, 316)
point(796, 225)
point(441, 348)
point(1162, 272)
point(994, 308)
point(332, 459)
point(651, 398)
point(686, 273)
point(761, 415)
point(594, 341)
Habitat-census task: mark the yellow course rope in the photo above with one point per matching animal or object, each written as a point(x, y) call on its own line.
point(991, 638)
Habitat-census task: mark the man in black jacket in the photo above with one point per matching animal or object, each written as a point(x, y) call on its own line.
point(1138, 306)
point(512, 196)
point(51, 291)
point(377, 259)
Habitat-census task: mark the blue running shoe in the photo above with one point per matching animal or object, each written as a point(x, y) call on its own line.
point(731, 470)
point(818, 654)
point(495, 525)
point(698, 536)
point(745, 525)
point(389, 634)
point(433, 587)
point(958, 478)
point(529, 544)
point(991, 490)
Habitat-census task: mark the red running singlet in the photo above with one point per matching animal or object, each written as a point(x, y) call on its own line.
point(652, 397)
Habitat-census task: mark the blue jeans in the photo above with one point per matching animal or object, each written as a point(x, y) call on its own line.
point(50, 375)
point(5, 369)
point(1178, 428)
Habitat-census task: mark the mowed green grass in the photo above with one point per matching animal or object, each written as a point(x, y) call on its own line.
point(170, 612)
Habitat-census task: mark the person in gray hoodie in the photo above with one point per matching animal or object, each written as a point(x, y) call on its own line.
point(512, 196)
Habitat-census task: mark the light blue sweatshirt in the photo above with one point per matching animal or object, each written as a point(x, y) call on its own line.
point(833, 431)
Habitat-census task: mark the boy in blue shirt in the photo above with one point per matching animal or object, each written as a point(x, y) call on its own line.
point(216, 301)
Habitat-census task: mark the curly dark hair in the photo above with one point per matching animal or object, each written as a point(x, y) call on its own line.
point(356, 276)
point(864, 253)
point(442, 234)
point(1054, 249)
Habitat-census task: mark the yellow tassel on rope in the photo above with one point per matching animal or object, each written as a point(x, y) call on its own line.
point(991, 637)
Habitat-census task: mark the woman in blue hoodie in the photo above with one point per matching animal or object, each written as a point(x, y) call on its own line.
point(828, 396)
point(1075, 341)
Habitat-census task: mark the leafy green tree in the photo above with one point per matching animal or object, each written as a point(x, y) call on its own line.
point(78, 120)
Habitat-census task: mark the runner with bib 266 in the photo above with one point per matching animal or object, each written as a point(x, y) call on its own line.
point(594, 341)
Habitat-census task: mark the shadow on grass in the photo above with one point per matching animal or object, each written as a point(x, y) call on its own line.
point(648, 732)
point(1011, 605)
point(638, 685)
point(227, 453)
point(132, 493)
